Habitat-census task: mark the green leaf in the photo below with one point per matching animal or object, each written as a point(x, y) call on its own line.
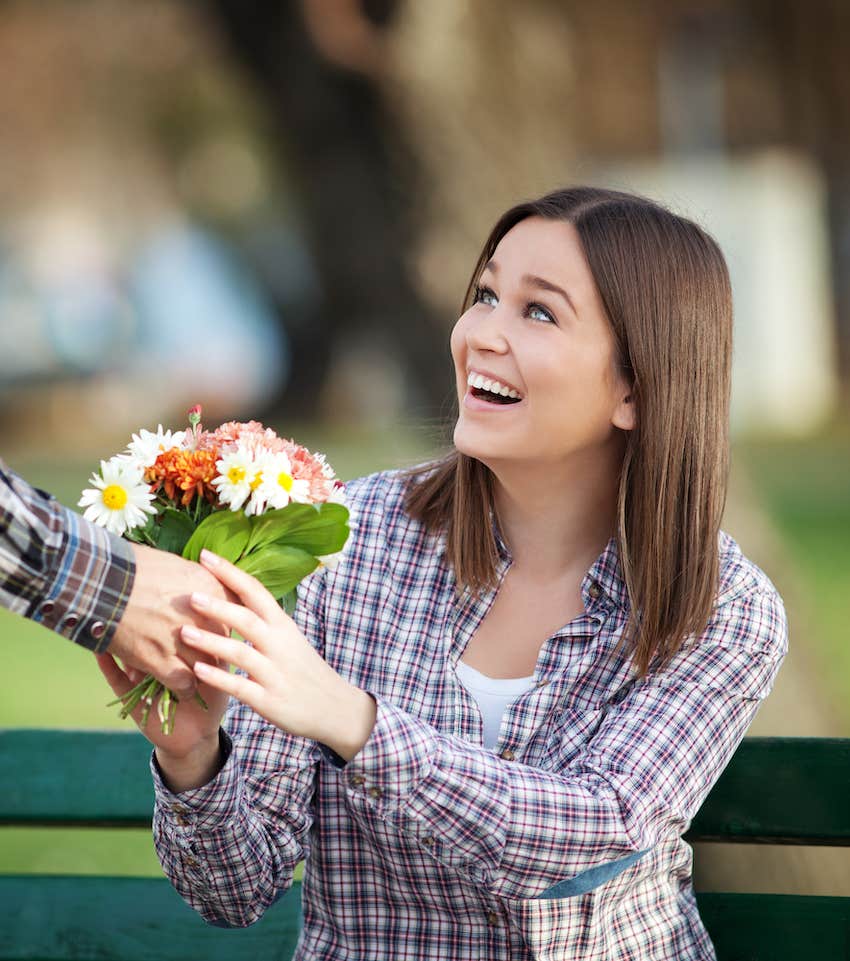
point(174, 531)
point(318, 530)
point(279, 569)
point(225, 533)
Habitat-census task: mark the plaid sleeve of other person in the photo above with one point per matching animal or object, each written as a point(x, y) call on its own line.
point(58, 569)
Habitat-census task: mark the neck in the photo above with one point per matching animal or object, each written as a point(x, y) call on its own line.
point(557, 519)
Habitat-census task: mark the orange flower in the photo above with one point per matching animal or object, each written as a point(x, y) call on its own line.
point(184, 473)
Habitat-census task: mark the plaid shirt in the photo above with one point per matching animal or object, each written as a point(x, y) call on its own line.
point(58, 569)
point(564, 842)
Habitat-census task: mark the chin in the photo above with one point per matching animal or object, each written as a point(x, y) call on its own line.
point(472, 442)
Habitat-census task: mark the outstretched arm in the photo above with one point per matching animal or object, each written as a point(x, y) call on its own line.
point(95, 589)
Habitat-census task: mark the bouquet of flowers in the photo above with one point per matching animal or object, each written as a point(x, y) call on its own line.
point(264, 503)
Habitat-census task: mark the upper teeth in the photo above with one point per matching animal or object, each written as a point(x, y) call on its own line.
point(494, 386)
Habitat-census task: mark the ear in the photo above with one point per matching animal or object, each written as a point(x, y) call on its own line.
point(625, 413)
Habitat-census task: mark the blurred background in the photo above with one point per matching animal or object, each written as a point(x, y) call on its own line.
point(272, 208)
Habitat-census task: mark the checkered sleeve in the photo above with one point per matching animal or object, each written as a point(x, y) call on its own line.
point(58, 569)
point(524, 832)
point(230, 847)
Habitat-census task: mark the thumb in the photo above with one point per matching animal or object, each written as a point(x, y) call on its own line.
point(115, 677)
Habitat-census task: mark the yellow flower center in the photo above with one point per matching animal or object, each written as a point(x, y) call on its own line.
point(115, 497)
point(285, 481)
point(236, 475)
point(258, 479)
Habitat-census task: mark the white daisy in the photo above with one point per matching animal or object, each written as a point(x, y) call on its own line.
point(327, 470)
point(120, 499)
point(237, 471)
point(147, 445)
point(277, 486)
point(337, 495)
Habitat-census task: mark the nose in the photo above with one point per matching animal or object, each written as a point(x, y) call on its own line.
point(486, 331)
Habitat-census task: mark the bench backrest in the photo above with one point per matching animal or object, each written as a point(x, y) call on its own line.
point(775, 790)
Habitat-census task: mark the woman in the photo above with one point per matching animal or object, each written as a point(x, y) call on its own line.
point(487, 731)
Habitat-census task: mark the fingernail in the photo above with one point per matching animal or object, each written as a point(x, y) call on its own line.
point(202, 669)
point(210, 559)
point(201, 600)
point(192, 633)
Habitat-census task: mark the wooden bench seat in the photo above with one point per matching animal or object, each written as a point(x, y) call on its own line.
point(775, 790)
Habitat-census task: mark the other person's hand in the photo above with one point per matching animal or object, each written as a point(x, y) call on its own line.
point(148, 636)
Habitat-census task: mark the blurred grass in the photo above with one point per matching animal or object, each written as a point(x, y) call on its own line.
point(57, 684)
point(805, 486)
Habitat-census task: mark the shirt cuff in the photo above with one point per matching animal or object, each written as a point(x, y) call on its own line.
point(396, 758)
point(89, 585)
point(203, 808)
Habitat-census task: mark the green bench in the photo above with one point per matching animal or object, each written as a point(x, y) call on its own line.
point(776, 790)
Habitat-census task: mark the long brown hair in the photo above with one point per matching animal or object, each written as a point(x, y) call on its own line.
point(665, 288)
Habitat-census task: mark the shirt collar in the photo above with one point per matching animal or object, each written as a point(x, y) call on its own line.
point(605, 579)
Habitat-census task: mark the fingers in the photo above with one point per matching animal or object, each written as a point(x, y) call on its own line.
point(247, 588)
point(242, 688)
point(234, 617)
point(227, 650)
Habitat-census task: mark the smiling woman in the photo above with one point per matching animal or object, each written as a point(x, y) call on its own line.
point(488, 729)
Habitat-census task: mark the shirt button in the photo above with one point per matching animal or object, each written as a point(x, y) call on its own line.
point(492, 919)
point(427, 840)
point(97, 630)
point(71, 621)
point(178, 809)
point(191, 862)
point(594, 590)
point(356, 780)
point(375, 792)
point(507, 755)
point(542, 682)
point(47, 608)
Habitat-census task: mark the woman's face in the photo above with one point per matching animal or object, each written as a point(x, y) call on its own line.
point(538, 329)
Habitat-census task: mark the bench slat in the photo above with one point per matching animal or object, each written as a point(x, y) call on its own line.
point(143, 919)
point(788, 790)
point(777, 927)
point(775, 790)
point(134, 919)
point(75, 778)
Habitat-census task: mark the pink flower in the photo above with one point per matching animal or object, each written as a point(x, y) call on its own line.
point(256, 438)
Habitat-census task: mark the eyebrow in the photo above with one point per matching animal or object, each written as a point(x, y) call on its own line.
point(532, 281)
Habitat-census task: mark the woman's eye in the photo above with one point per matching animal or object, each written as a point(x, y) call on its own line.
point(483, 295)
point(537, 312)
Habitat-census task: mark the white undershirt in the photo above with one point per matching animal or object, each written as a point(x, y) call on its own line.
point(493, 695)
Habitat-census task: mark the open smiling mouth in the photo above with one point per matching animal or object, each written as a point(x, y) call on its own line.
point(492, 398)
point(492, 391)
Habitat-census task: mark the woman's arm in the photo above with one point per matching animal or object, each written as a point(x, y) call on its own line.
point(231, 847)
point(520, 831)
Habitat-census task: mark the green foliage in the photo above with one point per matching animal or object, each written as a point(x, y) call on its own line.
point(319, 530)
point(279, 547)
point(279, 568)
point(224, 533)
point(173, 531)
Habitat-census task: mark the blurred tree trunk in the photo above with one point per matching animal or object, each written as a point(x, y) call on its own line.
point(353, 180)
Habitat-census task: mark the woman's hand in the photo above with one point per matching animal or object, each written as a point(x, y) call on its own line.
point(189, 755)
point(288, 682)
